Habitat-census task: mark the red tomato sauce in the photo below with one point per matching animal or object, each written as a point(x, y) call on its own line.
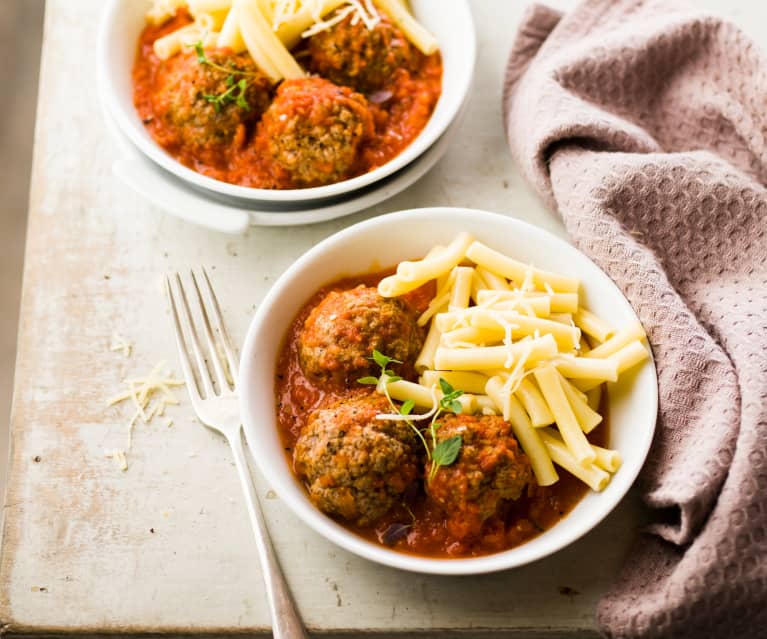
point(516, 522)
point(397, 120)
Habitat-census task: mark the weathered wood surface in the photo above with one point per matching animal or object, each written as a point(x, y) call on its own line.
point(166, 546)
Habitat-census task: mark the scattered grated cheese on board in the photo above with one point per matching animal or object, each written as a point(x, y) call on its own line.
point(149, 395)
point(119, 343)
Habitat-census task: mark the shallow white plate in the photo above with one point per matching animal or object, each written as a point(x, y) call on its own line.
point(175, 197)
point(119, 32)
point(381, 242)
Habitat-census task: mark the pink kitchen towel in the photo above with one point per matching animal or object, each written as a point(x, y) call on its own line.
point(644, 124)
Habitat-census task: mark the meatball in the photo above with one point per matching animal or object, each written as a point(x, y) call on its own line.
point(362, 58)
point(342, 331)
point(490, 468)
point(314, 130)
point(354, 465)
point(185, 94)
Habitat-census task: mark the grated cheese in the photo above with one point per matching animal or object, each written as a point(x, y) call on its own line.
point(119, 456)
point(119, 343)
point(361, 11)
point(149, 395)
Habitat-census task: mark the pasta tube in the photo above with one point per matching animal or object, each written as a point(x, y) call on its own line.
point(591, 369)
point(609, 460)
point(459, 296)
point(553, 393)
point(533, 402)
point(433, 267)
point(494, 282)
point(494, 357)
point(512, 269)
point(414, 31)
point(263, 42)
point(467, 382)
point(587, 418)
point(425, 359)
point(592, 325)
point(528, 437)
point(595, 477)
point(403, 390)
point(170, 44)
point(623, 337)
point(230, 36)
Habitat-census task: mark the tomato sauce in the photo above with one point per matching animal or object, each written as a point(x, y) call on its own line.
point(409, 100)
point(516, 522)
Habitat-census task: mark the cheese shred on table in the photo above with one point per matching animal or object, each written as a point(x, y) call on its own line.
point(150, 395)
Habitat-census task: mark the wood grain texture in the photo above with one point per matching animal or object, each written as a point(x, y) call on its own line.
point(166, 546)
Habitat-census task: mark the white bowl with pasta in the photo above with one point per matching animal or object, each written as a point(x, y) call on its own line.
point(388, 240)
point(120, 29)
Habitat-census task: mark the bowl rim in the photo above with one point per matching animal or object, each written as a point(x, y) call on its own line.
point(127, 120)
point(333, 531)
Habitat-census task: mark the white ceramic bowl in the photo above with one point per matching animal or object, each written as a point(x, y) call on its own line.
point(121, 26)
point(382, 242)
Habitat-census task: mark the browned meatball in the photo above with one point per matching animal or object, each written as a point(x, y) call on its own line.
point(362, 58)
point(186, 92)
point(342, 331)
point(490, 468)
point(355, 466)
point(314, 129)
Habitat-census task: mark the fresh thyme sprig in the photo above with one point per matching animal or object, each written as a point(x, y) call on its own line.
point(442, 453)
point(203, 58)
point(235, 93)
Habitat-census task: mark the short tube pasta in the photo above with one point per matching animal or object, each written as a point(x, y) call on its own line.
point(565, 335)
point(570, 429)
point(494, 357)
point(533, 402)
point(514, 270)
point(591, 369)
point(596, 478)
point(459, 296)
point(621, 338)
point(494, 281)
point(230, 36)
point(609, 460)
point(431, 268)
point(261, 40)
point(425, 359)
point(531, 443)
point(414, 31)
point(403, 390)
point(170, 44)
point(587, 418)
point(468, 382)
point(629, 356)
point(592, 325)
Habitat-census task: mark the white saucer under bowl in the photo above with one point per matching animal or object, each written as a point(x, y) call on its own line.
point(232, 215)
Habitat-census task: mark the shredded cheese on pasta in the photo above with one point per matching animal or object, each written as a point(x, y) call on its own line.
point(361, 11)
point(537, 373)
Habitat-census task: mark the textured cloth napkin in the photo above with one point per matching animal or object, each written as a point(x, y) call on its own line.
point(644, 124)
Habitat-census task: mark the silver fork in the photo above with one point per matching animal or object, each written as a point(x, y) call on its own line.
point(215, 401)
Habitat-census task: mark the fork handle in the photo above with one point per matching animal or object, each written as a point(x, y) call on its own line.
point(286, 622)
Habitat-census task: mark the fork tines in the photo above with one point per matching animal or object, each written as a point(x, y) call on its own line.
point(220, 354)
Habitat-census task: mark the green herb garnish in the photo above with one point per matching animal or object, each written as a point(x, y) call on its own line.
point(235, 93)
point(442, 453)
point(203, 59)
